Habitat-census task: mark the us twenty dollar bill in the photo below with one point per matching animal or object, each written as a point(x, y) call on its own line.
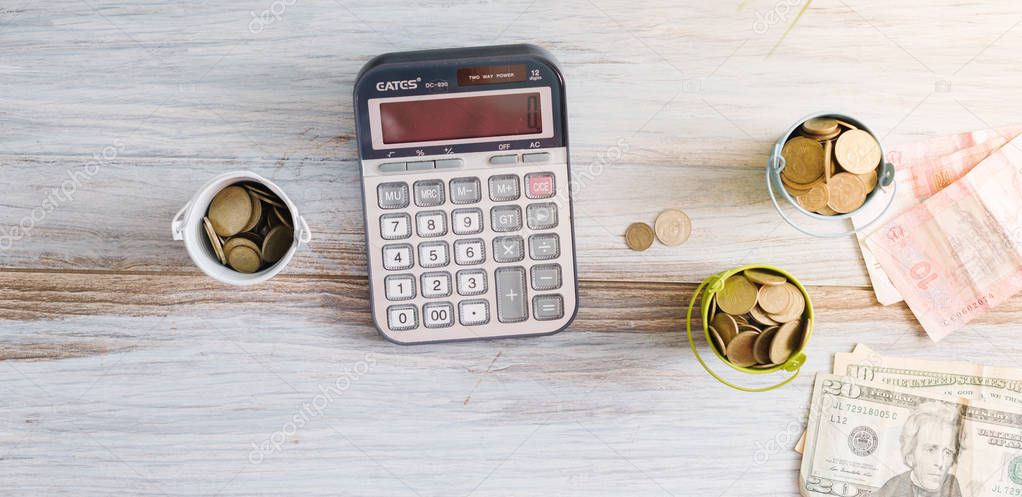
point(870, 439)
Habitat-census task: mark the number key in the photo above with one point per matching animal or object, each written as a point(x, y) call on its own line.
point(468, 252)
point(467, 221)
point(438, 314)
point(430, 224)
point(402, 317)
point(471, 282)
point(433, 254)
point(436, 285)
point(397, 257)
point(395, 226)
point(399, 286)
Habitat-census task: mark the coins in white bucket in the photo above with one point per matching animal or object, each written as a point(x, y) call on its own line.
point(831, 166)
point(248, 227)
point(757, 319)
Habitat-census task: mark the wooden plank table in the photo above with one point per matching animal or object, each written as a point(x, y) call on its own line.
point(125, 371)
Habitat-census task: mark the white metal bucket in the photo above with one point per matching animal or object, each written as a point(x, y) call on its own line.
point(187, 226)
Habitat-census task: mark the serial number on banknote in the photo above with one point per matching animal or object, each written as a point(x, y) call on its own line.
point(853, 408)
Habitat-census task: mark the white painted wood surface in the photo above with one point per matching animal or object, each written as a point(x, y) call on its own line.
point(126, 372)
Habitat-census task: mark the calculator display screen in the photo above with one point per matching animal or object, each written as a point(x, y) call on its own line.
point(427, 120)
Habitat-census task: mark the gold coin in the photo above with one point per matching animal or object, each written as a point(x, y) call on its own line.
point(740, 320)
point(764, 277)
point(820, 126)
point(857, 151)
point(760, 316)
point(774, 298)
point(672, 227)
point(725, 326)
point(639, 236)
point(283, 216)
point(278, 241)
point(800, 187)
point(869, 179)
point(257, 214)
point(263, 194)
point(803, 160)
point(785, 342)
point(230, 210)
point(796, 306)
point(718, 341)
point(847, 125)
point(712, 308)
point(214, 241)
point(740, 351)
point(738, 295)
point(256, 238)
point(828, 164)
point(761, 349)
point(747, 327)
point(826, 211)
point(847, 193)
point(243, 259)
point(816, 198)
point(236, 241)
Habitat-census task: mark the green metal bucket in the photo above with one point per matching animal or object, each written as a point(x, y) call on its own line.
point(707, 289)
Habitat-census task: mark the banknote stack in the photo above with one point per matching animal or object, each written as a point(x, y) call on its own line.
point(891, 427)
point(831, 167)
point(950, 246)
point(248, 227)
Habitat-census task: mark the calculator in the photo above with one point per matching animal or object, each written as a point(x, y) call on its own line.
point(466, 193)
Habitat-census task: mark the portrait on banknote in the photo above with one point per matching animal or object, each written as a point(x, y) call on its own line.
point(931, 439)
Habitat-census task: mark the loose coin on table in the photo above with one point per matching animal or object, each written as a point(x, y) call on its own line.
point(639, 236)
point(672, 227)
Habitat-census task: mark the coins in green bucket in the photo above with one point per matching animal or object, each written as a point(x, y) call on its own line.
point(248, 227)
point(758, 317)
point(738, 295)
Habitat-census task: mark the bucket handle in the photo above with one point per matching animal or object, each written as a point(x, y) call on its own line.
point(304, 233)
point(177, 224)
point(795, 365)
point(887, 175)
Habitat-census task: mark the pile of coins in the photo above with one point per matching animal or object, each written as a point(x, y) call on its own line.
point(757, 319)
point(672, 227)
point(831, 166)
point(248, 227)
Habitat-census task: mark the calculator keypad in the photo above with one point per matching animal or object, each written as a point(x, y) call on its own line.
point(470, 253)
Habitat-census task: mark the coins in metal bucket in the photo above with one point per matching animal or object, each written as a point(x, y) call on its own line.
point(248, 227)
point(764, 333)
point(639, 236)
point(672, 227)
point(818, 182)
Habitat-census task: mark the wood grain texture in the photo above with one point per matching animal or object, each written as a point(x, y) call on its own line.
point(126, 372)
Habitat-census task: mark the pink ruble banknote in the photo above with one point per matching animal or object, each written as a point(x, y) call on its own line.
point(921, 170)
point(958, 253)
